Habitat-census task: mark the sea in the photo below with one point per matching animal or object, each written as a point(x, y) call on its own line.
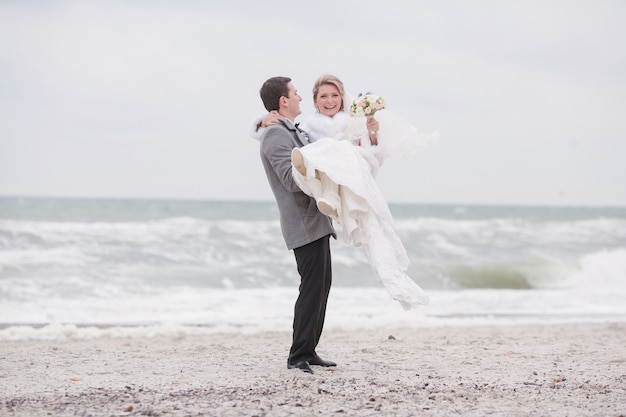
point(91, 268)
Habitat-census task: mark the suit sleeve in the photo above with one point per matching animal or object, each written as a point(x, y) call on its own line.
point(277, 145)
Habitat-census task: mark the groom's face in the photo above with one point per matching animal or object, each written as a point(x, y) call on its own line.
point(293, 102)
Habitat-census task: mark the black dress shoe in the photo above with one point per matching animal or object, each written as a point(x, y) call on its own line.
point(316, 360)
point(303, 366)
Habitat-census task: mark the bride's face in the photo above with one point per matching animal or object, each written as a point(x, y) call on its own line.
point(328, 100)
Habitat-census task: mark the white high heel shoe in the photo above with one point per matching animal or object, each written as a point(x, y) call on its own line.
point(297, 160)
point(327, 208)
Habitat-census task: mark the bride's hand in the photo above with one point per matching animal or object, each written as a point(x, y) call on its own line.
point(271, 119)
point(372, 128)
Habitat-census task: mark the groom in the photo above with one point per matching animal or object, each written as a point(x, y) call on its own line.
point(306, 231)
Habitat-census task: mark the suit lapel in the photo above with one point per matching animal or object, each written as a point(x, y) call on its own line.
point(298, 135)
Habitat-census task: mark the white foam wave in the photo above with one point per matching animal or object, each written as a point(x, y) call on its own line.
point(605, 268)
point(65, 256)
point(74, 332)
point(578, 231)
point(193, 312)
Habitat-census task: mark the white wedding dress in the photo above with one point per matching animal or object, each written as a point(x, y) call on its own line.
point(342, 173)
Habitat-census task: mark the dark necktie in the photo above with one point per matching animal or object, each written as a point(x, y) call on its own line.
point(304, 134)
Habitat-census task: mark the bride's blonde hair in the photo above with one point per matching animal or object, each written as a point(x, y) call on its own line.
point(331, 80)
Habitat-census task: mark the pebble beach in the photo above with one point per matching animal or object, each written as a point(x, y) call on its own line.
point(525, 370)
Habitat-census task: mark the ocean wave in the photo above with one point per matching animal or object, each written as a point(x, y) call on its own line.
point(191, 313)
point(59, 331)
point(516, 274)
point(146, 261)
point(606, 268)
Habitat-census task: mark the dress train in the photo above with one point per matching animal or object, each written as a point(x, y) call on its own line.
point(338, 176)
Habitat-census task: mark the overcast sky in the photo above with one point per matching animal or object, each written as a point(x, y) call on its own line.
point(152, 99)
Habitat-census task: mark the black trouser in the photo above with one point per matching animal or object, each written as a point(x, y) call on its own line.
point(315, 270)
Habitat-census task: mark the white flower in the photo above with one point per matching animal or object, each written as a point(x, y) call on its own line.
point(366, 105)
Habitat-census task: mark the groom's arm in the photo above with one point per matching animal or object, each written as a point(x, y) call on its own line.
point(277, 145)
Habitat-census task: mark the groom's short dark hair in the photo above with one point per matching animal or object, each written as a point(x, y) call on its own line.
point(272, 90)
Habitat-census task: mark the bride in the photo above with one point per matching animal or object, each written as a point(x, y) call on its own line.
point(338, 167)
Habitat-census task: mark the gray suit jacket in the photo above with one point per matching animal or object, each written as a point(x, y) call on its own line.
point(300, 220)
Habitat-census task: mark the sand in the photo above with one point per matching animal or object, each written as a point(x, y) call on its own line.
point(529, 370)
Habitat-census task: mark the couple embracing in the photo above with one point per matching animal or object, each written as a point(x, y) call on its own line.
point(325, 170)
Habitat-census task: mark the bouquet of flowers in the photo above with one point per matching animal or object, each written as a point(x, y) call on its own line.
point(366, 105)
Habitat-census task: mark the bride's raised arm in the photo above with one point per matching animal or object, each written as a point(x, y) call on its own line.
point(261, 121)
